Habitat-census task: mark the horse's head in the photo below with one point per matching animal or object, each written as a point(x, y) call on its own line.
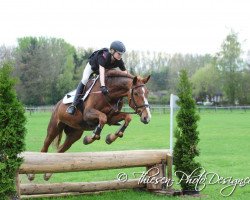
point(138, 98)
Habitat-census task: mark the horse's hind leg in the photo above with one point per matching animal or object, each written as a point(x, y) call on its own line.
point(54, 130)
point(72, 135)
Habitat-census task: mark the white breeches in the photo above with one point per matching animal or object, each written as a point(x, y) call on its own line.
point(86, 73)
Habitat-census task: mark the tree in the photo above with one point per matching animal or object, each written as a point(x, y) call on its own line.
point(206, 82)
point(132, 61)
point(190, 62)
point(41, 64)
point(12, 132)
point(6, 54)
point(244, 97)
point(185, 149)
point(80, 60)
point(159, 80)
point(230, 64)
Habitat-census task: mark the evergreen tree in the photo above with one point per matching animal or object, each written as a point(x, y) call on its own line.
point(185, 149)
point(12, 132)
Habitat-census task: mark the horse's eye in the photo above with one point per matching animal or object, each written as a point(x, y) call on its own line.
point(136, 94)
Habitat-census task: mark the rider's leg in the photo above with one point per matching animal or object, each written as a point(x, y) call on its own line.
point(79, 94)
point(80, 88)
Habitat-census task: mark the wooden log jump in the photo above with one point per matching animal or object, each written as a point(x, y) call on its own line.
point(36, 163)
point(81, 187)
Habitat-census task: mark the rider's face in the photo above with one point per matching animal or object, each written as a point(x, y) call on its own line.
point(118, 55)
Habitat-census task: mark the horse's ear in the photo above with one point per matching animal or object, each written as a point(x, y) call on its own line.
point(145, 80)
point(135, 80)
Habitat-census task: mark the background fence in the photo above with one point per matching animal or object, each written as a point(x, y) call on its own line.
point(161, 109)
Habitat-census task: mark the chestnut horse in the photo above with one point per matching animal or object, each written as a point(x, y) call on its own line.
point(99, 110)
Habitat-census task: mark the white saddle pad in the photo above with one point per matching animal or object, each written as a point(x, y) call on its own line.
point(69, 97)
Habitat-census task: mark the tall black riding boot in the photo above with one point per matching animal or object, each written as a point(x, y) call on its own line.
point(79, 94)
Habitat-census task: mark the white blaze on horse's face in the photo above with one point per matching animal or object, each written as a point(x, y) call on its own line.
point(145, 117)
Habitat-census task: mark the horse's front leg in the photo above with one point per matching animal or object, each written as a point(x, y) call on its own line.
point(119, 133)
point(91, 115)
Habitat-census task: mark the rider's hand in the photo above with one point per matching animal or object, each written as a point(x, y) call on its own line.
point(104, 90)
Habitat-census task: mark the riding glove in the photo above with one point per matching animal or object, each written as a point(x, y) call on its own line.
point(104, 90)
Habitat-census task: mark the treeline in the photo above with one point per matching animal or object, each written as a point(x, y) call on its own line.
point(48, 68)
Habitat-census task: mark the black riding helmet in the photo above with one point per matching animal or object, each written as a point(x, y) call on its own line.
point(118, 46)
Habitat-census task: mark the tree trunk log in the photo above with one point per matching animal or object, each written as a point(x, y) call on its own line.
point(82, 187)
point(70, 162)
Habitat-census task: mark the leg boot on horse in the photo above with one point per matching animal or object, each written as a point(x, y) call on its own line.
point(95, 136)
point(90, 115)
point(119, 133)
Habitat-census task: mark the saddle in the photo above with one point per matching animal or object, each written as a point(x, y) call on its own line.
point(69, 97)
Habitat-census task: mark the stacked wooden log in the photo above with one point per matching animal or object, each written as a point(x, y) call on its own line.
point(37, 163)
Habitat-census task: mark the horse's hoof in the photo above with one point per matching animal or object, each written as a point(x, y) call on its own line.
point(87, 140)
point(31, 177)
point(47, 176)
point(120, 134)
point(97, 137)
point(108, 139)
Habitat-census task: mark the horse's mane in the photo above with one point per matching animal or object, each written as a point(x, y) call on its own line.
point(118, 73)
point(120, 78)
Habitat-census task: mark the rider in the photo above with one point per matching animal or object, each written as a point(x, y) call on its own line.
point(98, 62)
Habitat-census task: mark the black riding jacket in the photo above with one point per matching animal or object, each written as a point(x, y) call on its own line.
point(103, 57)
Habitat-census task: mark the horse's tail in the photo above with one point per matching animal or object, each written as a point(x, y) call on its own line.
point(56, 142)
point(56, 126)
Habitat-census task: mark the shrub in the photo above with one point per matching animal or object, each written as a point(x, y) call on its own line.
point(12, 132)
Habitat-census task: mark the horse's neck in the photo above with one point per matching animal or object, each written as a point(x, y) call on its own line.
point(121, 87)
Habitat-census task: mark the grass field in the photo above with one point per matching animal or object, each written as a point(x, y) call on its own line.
point(224, 147)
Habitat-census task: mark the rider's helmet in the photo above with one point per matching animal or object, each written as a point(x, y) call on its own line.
point(118, 46)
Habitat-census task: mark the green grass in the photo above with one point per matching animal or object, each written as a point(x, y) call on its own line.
point(224, 147)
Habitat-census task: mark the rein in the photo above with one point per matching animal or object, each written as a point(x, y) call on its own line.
point(132, 99)
point(115, 108)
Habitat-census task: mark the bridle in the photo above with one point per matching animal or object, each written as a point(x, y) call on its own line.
point(132, 99)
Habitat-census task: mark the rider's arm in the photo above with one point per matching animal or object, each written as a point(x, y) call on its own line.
point(122, 67)
point(102, 73)
point(125, 72)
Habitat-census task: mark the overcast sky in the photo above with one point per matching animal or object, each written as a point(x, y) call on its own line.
point(186, 26)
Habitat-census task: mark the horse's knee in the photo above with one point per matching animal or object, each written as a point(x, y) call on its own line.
point(103, 119)
point(128, 118)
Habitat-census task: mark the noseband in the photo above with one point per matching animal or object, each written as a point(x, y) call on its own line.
point(132, 99)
